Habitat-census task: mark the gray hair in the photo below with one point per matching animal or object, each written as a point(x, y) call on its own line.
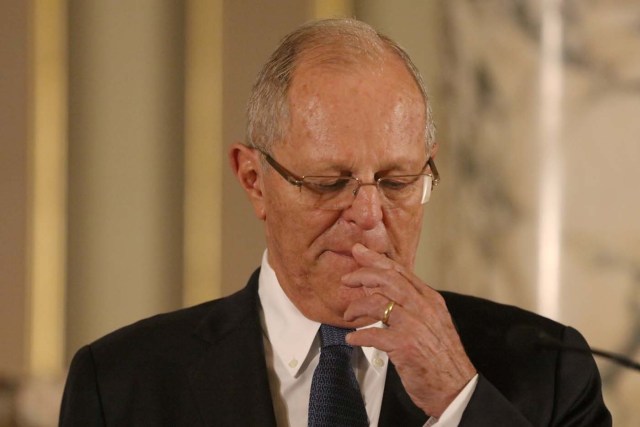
point(329, 41)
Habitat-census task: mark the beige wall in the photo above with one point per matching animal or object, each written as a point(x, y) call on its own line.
point(13, 183)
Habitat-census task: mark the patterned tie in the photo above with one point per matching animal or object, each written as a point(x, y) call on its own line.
point(335, 398)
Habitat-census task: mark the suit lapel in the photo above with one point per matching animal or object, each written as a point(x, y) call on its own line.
point(397, 407)
point(230, 383)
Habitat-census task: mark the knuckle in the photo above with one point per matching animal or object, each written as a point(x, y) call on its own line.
point(438, 300)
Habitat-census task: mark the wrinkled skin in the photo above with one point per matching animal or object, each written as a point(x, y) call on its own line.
point(343, 267)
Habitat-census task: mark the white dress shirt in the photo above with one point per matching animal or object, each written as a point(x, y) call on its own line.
point(292, 349)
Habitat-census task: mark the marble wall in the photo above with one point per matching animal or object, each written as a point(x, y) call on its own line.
point(498, 164)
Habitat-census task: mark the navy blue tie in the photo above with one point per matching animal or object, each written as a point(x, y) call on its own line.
point(335, 398)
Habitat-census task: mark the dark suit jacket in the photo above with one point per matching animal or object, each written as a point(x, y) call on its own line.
point(205, 366)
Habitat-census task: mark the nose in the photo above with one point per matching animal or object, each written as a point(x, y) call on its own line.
point(366, 209)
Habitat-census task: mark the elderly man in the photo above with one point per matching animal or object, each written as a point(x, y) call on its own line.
point(334, 328)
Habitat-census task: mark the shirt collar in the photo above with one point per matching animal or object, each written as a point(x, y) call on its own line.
point(291, 334)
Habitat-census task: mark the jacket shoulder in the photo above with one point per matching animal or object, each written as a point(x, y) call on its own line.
point(475, 314)
point(487, 328)
point(176, 335)
point(149, 372)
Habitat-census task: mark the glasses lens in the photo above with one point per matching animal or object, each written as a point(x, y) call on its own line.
point(406, 190)
point(336, 193)
point(426, 188)
point(324, 192)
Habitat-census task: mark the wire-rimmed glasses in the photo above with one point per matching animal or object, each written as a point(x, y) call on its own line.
point(338, 192)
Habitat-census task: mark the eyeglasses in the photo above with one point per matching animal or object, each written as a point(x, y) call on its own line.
point(338, 192)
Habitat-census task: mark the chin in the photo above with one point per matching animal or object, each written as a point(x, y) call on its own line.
point(346, 295)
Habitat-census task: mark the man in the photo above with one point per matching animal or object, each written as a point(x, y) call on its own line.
point(338, 166)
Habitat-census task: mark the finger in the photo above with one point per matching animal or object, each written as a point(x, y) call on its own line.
point(407, 343)
point(372, 306)
point(382, 339)
point(387, 282)
point(368, 258)
point(391, 340)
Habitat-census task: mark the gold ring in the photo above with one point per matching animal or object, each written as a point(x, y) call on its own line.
point(387, 312)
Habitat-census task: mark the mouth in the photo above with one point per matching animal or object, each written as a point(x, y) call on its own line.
point(339, 259)
point(346, 254)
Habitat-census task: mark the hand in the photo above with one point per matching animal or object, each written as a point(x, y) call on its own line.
point(421, 340)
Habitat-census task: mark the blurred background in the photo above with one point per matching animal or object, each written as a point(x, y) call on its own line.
point(116, 200)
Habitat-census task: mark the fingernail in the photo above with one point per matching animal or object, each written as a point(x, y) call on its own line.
point(347, 338)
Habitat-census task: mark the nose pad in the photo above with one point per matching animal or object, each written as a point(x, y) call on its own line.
point(363, 184)
point(366, 210)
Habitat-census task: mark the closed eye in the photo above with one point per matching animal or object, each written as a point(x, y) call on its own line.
point(397, 183)
point(326, 185)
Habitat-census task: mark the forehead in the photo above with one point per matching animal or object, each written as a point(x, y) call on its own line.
point(373, 105)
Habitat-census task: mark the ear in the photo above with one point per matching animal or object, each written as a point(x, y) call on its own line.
point(246, 166)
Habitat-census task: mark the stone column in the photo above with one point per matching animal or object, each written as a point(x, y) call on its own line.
point(125, 163)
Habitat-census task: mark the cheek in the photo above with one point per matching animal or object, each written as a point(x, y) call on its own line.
point(404, 231)
point(280, 222)
point(290, 225)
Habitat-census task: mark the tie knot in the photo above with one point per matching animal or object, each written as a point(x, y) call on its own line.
point(332, 335)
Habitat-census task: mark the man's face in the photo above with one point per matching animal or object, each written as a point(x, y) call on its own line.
point(366, 123)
